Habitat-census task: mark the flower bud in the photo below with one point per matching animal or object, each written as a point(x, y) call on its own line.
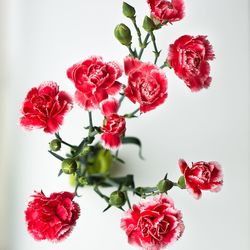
point(117, 199)
point(164, 185)
point(69, 166)
point(55, 145)
point(148, 24)
point(128, 10)
point(181, 182)
point(83, 181)
point(123, 34)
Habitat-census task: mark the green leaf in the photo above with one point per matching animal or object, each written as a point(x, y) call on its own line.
point(60, 172)
point(56, 155)
point(133, 140)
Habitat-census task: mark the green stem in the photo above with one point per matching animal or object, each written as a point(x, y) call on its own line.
point(90, 122)
point(132, 53)
point(156, 51)
point(132, 114)
point(144, 45)
point(96, 189)
point(165, 65)
point(127, 199)
point(133, 19)
point(67, 144)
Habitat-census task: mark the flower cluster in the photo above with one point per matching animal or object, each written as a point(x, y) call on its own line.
point(155, 222)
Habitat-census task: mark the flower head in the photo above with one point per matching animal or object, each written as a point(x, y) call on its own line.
point(153, 224)
point(189, 58)
point(147, 84)
point(94, 80)
point(45, 107)
point(202, 176)
point(167, 11)
point(52, 218)
point(114, 126)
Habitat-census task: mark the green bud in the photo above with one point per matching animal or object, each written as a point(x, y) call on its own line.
point(69, 166)
point(164, 185)
point(128, 10)
point(181, 182)
point(148, 24)
point(123, 34)
point(83, 181)
point(55, 145)
point(117, 199)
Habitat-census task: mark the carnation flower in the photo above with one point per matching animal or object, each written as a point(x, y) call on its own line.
point(202, 176)
point(44, 107)
point(51, 218)
point(153, 224)
point(94, 80)
point(147, 84)
point(189, 58)
point(114, 126)
point(167, 11)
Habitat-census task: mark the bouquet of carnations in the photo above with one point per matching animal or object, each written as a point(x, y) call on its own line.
point(154, 223)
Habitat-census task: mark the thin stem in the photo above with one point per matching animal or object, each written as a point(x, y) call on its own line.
point(132, 114)
point(90, 122)
point(67, 144)
point(133, 19)
point(156, 51)
point(132, 53)
point(127, 199)
point(96, 189)
point(144, 45)
point(121, 100)
point(165, 65)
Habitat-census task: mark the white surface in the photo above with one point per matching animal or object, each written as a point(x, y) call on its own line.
point(44, 38)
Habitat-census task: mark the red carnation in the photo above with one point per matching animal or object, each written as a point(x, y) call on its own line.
point(45, 107)
point(153, 224)
point(115, 125)
point(202, 176)
point(147, 84)
point(52, 218)
point(167, 11)
point(189, 57)
point(94, 80)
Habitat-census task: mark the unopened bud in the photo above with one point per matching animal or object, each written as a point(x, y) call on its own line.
point(164, 185)
point(128, 10)
point(117, 199)
point(55, 145)
point(123, 34)
point(148, 24)
point(69, 166)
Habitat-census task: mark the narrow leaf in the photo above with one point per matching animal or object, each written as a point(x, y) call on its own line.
point(56, 155)
point(133, 140)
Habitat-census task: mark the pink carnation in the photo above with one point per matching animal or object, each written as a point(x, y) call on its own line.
point(147, 84)
point(44, 107)
point(153, 224)
point(115, 125)
point(202, 176)
point(52, 218)
point(167, 11)
point(94, 80)
point(189, 57)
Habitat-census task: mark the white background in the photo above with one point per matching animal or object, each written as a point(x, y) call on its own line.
point(41, 39)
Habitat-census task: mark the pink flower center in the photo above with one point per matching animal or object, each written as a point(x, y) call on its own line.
point(96, 73)
point(192, 61)
point(149, 88)
point(151, 227)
